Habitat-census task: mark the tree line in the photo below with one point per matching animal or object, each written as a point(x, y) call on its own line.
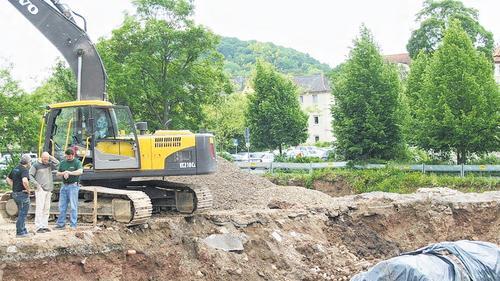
point(169, 71)
point(449, 103)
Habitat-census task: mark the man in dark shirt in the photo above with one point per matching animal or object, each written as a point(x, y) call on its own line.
point(70, 170)
point(18, 179)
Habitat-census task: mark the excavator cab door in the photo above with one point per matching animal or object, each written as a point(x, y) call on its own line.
point(67, 128)
point(104, 138)
point(114, 139)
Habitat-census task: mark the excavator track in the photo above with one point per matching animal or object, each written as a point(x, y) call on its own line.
point(126, 206)
point(205, 199)
point(183, 198)
point(3, 205)
point(136, 210)
point(132, 204)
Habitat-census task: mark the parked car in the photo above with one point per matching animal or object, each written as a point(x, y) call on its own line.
point(264, 157)
point(305, 151)
point(6, 158)
point(3, 166)
point(240, 157)
point(295, 152)
point(328, 154)
point(34, 157)
point(4, 161)
point(316, 151)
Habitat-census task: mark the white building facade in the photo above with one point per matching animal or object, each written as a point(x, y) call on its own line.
point(316, 100)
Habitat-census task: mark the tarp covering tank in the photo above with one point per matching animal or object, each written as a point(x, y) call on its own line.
point(446, 261)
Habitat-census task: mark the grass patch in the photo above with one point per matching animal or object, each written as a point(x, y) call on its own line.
point(387, 180)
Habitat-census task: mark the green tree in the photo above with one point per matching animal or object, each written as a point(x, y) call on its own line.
point(163, 65)
point(434, 19)
point(19, 116)
point(59, 87)
point(274, 115)
point(227, 120)
point(459, 99)
point(413, 93)
point(366, 113)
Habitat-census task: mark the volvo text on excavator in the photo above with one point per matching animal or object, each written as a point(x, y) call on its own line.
point(125, 165)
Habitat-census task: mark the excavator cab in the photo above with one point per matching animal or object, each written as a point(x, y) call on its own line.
point(102, 135)
point(106, 140)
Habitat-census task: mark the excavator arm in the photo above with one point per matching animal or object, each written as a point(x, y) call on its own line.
point(56, 23)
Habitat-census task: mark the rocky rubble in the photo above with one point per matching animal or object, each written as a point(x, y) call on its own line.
point(236, 189)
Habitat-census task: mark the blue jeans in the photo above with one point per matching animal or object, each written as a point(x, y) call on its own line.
point(68, 194)
point(22, 200)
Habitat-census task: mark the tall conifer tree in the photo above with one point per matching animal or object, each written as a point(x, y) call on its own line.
point(459, 99)
point(367, 111)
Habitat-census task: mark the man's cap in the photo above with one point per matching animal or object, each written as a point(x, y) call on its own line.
point(25, 159)
point(69, 151)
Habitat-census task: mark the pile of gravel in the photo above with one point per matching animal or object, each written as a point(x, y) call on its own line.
point(233, 188)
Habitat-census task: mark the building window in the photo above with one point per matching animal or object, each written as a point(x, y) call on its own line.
point(315, 98)
point(301, 99)
point(316, 138)
point(316, 120)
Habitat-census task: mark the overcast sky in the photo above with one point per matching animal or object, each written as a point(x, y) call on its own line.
point(322, 28)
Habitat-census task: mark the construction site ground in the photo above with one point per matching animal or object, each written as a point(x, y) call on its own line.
point(286, 233)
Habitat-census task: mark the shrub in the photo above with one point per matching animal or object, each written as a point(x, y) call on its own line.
point(285, 159)
point(387, 180)
point(226, 155)
point(323, 144)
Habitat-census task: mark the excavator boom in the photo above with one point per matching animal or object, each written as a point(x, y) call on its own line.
point(72, 41)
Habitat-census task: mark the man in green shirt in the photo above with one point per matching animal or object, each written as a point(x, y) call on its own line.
point(70, 170)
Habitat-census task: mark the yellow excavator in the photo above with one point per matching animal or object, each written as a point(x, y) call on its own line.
point(122, 163)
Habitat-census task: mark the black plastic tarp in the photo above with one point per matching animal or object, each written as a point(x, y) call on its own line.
point(446, 261)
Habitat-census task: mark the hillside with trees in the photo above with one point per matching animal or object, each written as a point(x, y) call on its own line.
point(241, 57)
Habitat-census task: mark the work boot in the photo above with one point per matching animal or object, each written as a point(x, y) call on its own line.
point(59, 227)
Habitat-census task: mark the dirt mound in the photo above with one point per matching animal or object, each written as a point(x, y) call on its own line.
point(233, 188)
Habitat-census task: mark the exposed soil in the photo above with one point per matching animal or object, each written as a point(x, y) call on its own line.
point(336, 187)
point(339, 187)
point(287, 233)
